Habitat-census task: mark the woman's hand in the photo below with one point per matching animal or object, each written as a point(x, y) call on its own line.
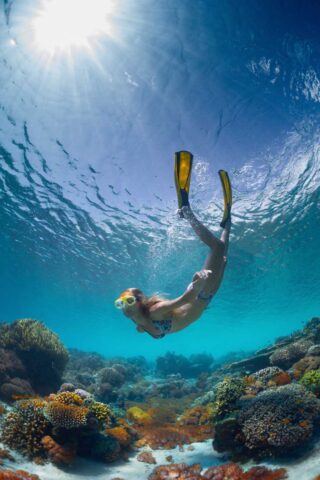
point(199, 279)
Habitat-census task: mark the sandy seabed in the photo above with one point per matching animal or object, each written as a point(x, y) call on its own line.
point(305, 468)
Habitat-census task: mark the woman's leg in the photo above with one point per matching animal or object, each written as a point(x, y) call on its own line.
point(203, 232)
point(216, 259)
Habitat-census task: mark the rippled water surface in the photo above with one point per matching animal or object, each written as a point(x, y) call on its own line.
point(87, 139)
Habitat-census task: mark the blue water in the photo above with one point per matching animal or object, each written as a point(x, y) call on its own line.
point(87, 140)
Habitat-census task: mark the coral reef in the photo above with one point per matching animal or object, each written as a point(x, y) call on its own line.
point(62, 426)
point(172, 363)
point(58, 454)
point(278, 420)
point(25, 427)
point(286, 356)
point(305, 365)
point(229, 471)
point(33, 358)
point(66, 416)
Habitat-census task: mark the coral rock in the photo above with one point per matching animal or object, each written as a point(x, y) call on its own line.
point(162, 437)
point(146, 457)
point(139, 416)
point(58, 454)
point(15, 388)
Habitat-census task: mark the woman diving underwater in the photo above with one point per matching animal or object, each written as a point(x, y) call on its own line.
point(158, 316)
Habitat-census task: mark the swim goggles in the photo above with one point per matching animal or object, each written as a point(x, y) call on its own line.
point(126, 300)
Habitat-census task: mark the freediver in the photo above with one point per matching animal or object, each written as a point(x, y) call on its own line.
point(159, 316)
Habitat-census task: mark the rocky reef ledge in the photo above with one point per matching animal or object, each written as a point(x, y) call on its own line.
point(58, 407)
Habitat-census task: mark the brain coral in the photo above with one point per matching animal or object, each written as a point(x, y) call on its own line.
point(279, 419)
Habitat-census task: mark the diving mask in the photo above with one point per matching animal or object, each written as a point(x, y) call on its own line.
point(125, 301)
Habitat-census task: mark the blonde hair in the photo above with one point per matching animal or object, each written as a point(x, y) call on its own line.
point(145, 302)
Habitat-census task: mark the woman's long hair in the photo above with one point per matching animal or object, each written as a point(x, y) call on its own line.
point(145, 302)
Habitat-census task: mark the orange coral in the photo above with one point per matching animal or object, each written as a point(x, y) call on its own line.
point(2, 409)
point(120, 434)
point(282, 378)
point(17, 475)
point(58, 454)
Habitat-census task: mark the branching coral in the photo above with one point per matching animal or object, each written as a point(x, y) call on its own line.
point(102, 412)
point(25, 426)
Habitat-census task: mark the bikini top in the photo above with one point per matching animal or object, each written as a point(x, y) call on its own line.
point(164, 326)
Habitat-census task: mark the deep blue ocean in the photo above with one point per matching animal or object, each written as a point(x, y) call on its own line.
point(87, 142)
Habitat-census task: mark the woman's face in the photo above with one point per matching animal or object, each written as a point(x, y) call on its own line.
point(132, 311)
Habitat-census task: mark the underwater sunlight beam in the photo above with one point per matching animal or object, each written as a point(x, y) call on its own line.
point(62, 24)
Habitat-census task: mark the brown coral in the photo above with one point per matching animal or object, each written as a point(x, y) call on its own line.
point(58, 454)
point(120, 434)
point(146, 457)
point(162, 437)
point(305, 365)
point(199, 415)
point(232, 471)
point(228, 471)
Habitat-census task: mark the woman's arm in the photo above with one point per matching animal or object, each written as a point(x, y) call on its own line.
point(191, 293)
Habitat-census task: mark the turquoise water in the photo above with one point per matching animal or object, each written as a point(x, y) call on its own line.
point(87, 139)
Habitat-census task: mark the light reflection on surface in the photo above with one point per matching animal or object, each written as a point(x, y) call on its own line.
point(60, 24)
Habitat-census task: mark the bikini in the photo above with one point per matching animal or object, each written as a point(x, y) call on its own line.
point(164, 326)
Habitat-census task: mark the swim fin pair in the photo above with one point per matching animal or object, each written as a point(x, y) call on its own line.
point(182, 175)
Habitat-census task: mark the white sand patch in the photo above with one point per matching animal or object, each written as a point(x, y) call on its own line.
point(131, 470)
point(305, 468)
